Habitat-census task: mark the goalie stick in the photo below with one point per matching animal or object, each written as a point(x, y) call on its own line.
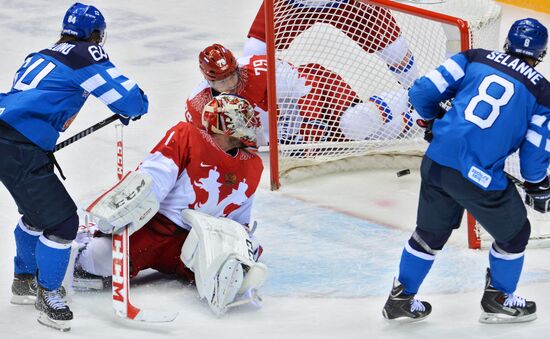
point(121, 270)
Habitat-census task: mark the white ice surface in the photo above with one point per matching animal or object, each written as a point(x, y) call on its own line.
point(332, 243)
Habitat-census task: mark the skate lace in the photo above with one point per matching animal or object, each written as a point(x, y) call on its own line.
point(417, 305)
point(513, 300)
point(54, 300)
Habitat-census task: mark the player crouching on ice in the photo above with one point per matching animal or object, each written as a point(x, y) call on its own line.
point(191, 213)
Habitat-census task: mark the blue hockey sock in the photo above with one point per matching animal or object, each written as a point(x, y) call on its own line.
point(52, 259)
point(414, 267)
point(24, 261)
point(505, 270)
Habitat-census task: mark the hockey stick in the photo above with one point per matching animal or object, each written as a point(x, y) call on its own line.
point(85, 132)
point(121, 269)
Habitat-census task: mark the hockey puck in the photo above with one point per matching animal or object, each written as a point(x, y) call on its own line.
point(403, 172)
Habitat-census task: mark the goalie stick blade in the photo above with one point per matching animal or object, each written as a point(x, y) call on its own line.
point(150, 316)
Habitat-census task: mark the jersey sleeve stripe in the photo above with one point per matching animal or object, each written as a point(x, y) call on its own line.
point(129, 84)
point(438, 80)
point(110, 96)
point(92, 83)
point(538, 120)
point(534, 138)
point(114, 72)
point(454, 69)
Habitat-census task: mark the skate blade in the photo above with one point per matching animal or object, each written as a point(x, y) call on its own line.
point(401, 320)
point(23, 299)
point(499, 318)
point(83, 285)
point(61, 325)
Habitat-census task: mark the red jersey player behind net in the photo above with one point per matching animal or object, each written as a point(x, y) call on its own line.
point(373, 28)
point(201, 182)
point(314, 103)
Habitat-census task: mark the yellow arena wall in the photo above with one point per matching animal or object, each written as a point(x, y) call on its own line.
point(536, 5)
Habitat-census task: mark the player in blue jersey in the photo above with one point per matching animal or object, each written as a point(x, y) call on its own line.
point(500, 105)
point(48, 92)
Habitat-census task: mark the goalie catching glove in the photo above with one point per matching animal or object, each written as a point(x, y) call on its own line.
point(537, 195)
point(131, 202)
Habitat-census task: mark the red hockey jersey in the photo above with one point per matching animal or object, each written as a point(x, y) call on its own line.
point(189, 170)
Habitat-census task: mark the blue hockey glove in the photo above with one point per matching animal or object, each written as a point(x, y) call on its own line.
point(537, 195)
point(126, 120)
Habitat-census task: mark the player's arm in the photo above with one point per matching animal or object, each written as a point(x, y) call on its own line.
point(106, 82)
point(437, 86)
point(136, 198)
point(534, 159)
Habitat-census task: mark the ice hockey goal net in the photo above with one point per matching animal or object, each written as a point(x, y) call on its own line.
point(357, 58)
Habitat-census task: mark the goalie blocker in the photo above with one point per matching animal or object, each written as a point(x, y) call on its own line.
point(131, 203)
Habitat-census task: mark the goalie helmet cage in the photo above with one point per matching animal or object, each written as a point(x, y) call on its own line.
point(354, 54)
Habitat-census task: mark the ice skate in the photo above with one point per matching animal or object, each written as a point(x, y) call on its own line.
point(500, 307)
point(54, 312)
point(404, 306)
point(84, 281)
point(23, 289)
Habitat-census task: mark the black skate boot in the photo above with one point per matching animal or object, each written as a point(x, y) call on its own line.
point(404, 306)
point(84, 281)
point(23, 289)
point(500, 307)
point(54, 312)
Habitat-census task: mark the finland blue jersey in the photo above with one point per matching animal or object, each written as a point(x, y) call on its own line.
point(52, 85)
point(501, 104)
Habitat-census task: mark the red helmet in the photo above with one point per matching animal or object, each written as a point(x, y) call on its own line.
point(233, 116)
point(217, 62)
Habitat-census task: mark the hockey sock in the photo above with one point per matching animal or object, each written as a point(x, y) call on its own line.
point(52, 259)
point(413, 268)
point(25, 244)
point(405, 75)
point(505, 270)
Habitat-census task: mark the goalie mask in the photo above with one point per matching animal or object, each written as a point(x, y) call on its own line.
point(233, 116)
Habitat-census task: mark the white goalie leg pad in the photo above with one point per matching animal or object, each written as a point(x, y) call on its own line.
point(130, 202)
point(219, 252)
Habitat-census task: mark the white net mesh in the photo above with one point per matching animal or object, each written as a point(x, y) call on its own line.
point(355, 62)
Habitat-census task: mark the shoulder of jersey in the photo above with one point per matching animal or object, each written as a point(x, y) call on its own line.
point(77, 54)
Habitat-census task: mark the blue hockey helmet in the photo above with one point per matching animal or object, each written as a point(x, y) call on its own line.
point(82, 20)
point(527, 37)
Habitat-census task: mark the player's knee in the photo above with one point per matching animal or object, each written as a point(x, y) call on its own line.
point(427, 241)
point(64, 232)
point(518, 243)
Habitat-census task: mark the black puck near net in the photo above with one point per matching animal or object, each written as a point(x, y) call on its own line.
point(403, 172)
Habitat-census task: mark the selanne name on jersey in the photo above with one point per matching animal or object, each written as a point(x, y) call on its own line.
point(517, 65)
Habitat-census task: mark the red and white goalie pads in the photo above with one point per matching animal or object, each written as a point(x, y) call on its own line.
point(131, 202)
point(220, 253)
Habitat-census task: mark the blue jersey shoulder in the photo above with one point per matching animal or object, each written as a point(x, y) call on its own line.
point(77, 54)
point(516, 68)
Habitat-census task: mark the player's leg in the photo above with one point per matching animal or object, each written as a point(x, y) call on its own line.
point(438, 214)
point(49, 225)
point(503, 215)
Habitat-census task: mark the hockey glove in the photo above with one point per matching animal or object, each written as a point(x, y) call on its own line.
point(126, 120)
point(537, 195)
point(427, 126)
